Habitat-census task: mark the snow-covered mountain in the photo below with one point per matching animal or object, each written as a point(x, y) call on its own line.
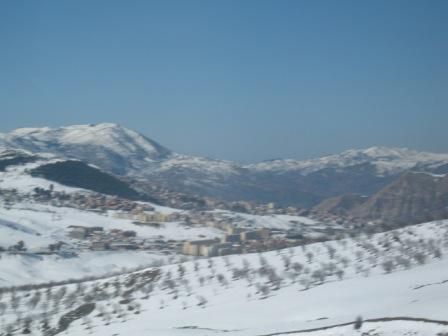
point(386, 160)
point(124, 152)
point(108, 145)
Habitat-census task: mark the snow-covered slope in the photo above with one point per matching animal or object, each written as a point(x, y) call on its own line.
point(118, 147)
point(112, 137)
point(402, 273)
point(40, 225)
point(16, 168)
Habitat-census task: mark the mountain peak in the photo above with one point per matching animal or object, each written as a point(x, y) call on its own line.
point(380, 151)
point(111, 143)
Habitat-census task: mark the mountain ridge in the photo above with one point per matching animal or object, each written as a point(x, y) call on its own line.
point(124, 152)
point(35, 138)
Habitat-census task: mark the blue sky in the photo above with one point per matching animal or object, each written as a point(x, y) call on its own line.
point(242, 80)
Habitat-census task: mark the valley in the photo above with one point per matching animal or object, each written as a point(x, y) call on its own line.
point(86, 248)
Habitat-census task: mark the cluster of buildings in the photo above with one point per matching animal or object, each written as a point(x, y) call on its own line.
point(209, 248)
point(140, 216)
point(179, 200)
point(88, 201)
point(10, 196)
point(176, 199)
point(327, 217)
point(98, 239)
point(254, 208)
point(103, 203)
point(235, 241)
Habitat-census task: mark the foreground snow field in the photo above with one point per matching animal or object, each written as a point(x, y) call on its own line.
point(382, 295)
point(401, 273)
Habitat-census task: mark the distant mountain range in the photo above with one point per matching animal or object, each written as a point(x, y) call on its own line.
point(306, 183)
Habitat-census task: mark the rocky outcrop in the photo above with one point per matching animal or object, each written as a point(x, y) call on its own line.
point(340, 205)
point(413, 198)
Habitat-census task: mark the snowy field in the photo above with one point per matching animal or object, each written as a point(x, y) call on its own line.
point(402, 273)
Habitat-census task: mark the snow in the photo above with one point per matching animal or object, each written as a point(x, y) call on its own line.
point(236, 306)
point(126, 152)
point(40, 225)
point(31, 268)
point(112, 141)
point(107, 136)
point(16, 177)
point(377, 296)
point(281, 222)
point(200, 164)
point(387, 161)
point(236, 309)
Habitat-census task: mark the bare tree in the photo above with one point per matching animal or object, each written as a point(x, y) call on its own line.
point(15, 301)
point(3, 307)
point(358, 323)
point(286, 261)
point(319, 275)
point(34, 300)
point(202, 301)
point(222, 280)
point(297, 267)
point(420, 257)
point(340, 274)
point(181, 270)
point(331, 251)
point(388, 266)
point(309, 257)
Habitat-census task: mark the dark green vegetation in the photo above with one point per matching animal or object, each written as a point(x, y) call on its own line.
point(80, 175)
point(12, 159)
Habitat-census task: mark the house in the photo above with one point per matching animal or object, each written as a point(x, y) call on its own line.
point(151, 224)
point(197, 247)
point(255, 235)
point(78, 233)
point(231, 238)
point(123, 246)
point(214, 249)
point(99, 245)
point(129, 233)
point(232, 230)
point(124, 215)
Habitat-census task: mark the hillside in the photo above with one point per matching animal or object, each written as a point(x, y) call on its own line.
point(395, 281)
point(109, 146)
point(13, 158)
point(80, 175)
point(340, 205)
point(413, 198)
